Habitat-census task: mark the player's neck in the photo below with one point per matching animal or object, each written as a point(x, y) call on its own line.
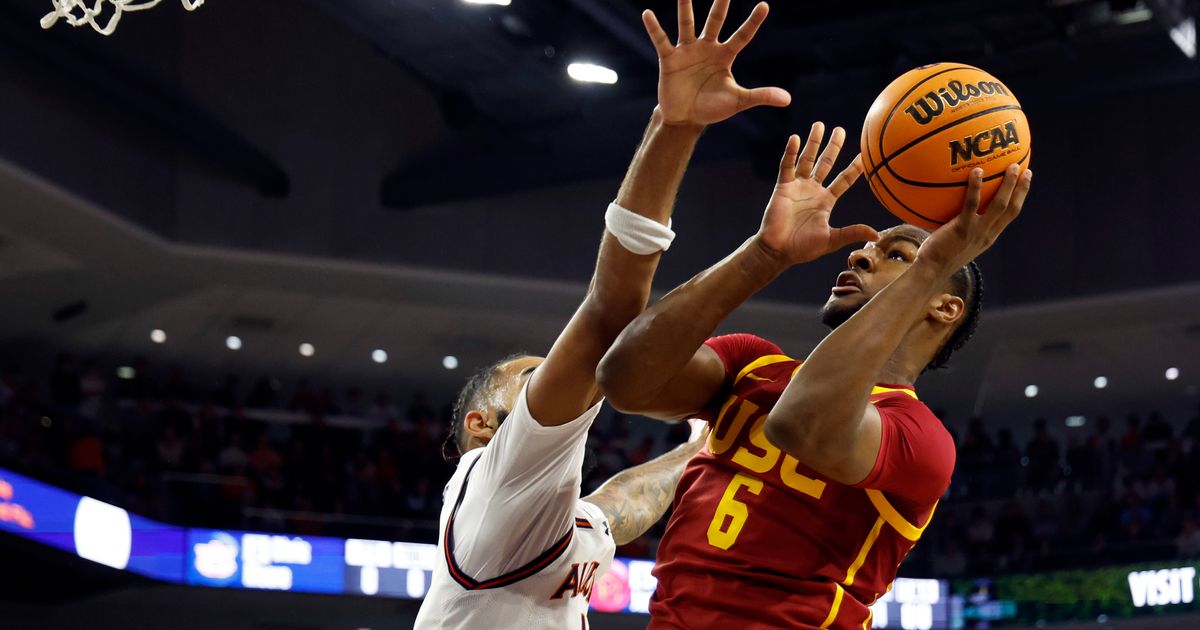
point(898, 370)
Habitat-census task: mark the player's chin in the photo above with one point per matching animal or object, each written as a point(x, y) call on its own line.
point(840, 308)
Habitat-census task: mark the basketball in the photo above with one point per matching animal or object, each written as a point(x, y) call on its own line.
point(929, 128)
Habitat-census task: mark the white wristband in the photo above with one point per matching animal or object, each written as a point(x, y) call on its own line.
point(637, 233)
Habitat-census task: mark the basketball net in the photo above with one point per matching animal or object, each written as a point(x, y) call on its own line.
point(77, 12)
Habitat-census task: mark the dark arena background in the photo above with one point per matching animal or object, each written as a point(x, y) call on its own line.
point(250, 252)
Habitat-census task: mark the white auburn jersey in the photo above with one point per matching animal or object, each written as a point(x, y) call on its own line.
point(519, 549)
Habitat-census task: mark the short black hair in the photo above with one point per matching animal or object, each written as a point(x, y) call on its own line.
point(471, 397)
point(966, 283)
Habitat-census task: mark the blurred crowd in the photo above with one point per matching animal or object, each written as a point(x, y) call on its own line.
point(1107, 497)
point(318, 461)
point(298, 459)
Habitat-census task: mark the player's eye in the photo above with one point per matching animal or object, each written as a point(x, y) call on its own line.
point(898, 254)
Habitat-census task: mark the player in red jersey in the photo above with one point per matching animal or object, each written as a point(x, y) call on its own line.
point(821, 475)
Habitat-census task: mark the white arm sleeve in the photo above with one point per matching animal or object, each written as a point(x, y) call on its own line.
point(521, 493)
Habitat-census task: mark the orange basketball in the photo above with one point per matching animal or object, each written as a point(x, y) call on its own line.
point(929, 128)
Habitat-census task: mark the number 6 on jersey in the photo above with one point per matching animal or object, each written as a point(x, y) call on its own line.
point(720, 534)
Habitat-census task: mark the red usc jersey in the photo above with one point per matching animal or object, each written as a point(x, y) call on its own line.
point(758, 540)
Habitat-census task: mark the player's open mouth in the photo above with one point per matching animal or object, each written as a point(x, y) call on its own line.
point(847, 283)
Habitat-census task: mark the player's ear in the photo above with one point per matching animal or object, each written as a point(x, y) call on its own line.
point(947, 308)
point(478, 427)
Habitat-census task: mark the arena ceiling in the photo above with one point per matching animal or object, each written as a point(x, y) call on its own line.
point(363, 170)
point(447, 135)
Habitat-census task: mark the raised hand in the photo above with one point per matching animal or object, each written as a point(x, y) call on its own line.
point(972, 232)
point(695, 76)
point(795, 226)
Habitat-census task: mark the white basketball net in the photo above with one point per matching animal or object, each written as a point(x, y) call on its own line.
point(78, 13)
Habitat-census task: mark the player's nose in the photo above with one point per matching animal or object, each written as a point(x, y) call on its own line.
point(860, 259)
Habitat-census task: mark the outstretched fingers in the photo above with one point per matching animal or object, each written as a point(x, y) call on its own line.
point(687, 22)
point(658, 37)
point(808, 157)
point(787, 166)
point(748, 29)
point(716, 19)
point(847, 177)
point(830, 155)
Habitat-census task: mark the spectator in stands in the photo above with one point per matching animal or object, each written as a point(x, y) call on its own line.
point(170, 449)
point(1170, 518)
point(1047, 522)
point(383, 411)
point(950, 561)
point(1007, 473)
point(1103, 452)
point(354, 405)
point(1158, 488)
point(1192, 430)
point(1042, 453)
point(92, 386)
point(1134, 518)
point(87, 455)
point(1131, 445)
point(1187, 543)
point(264, 460)
point(306, 400)
point(233, 459)
point(980, 537)
point(1157, 432)
point(976, 458)
point(1083, 466)
point(1012, 533)
point(419, 501)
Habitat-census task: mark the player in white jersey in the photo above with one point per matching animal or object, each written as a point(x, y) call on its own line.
point(519, 548)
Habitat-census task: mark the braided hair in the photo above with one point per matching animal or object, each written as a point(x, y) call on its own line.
point(472, 397)
point(966, 283)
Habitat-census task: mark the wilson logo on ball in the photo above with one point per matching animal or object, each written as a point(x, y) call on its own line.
point(917, 150)
point(984, 143)
point(930, 106)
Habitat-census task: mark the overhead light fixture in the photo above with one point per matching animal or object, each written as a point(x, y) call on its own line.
point(1101, 382)
point(496, 3)
point(379, 356)
point(1031, 391)
point(233, 342)
point(1184, 36)
point(1172, 373)
point(1076, 421)
point(307, 350)
point(158, 336)
point(1136, 15)
point(450, 362)
point(591, 73)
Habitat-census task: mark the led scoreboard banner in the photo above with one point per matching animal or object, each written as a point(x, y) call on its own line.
point(916, 604)
point(108, 534)
point(89, 528)
point(1083, 595)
